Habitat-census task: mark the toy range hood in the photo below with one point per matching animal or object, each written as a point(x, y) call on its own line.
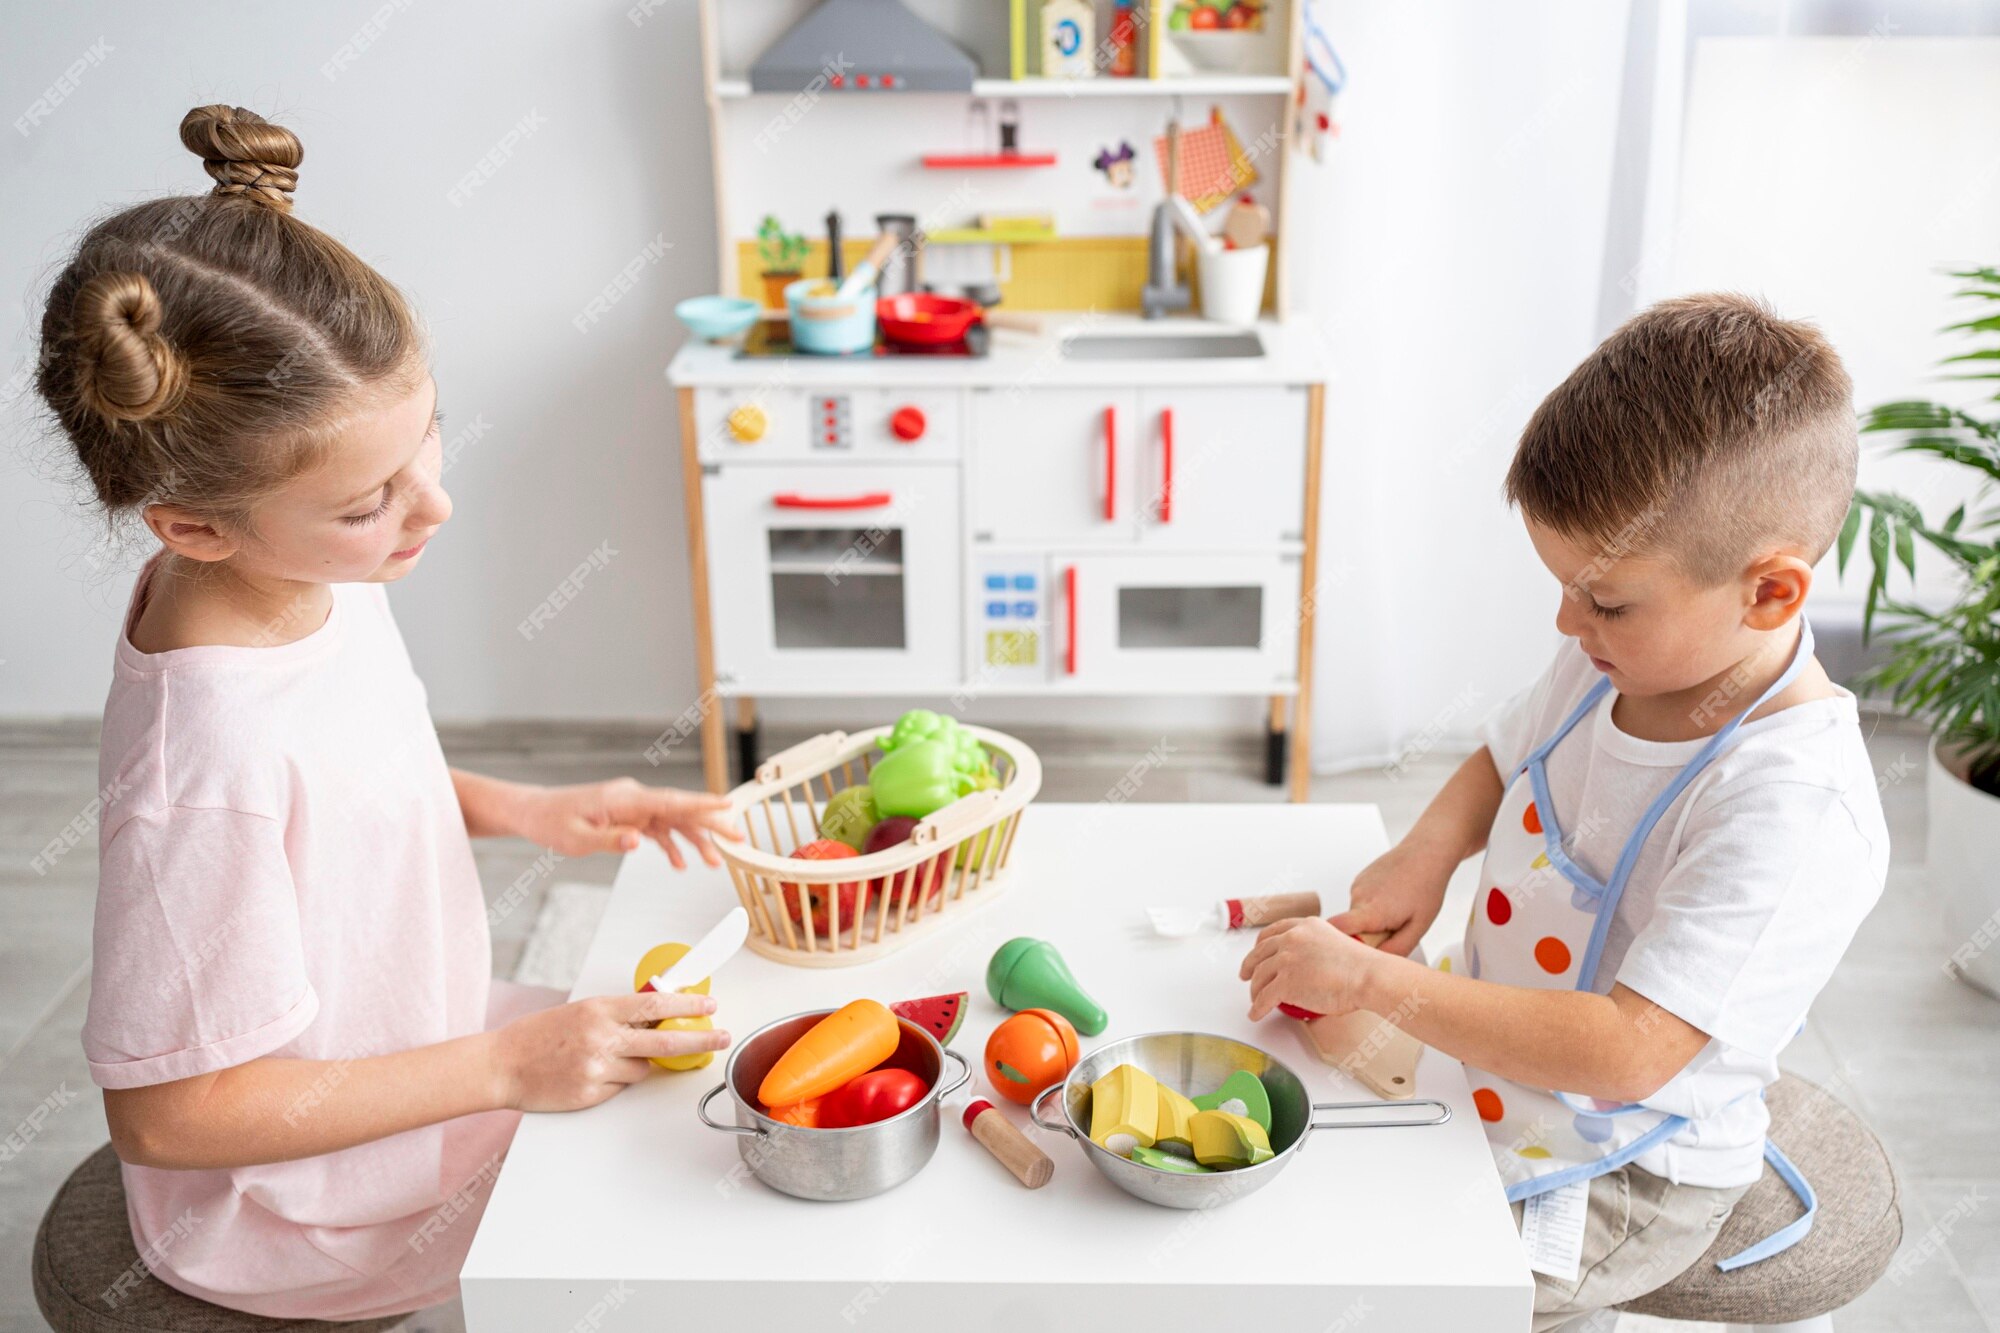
point(864, 45)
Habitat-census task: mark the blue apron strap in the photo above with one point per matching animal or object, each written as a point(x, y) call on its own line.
point(1577, 714)
point(1552, 835)
point(1786, 1236)
point(1635, 846)
point(1555, 1180)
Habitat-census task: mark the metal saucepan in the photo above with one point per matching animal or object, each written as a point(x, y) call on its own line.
point(830, 1164)
point(1196, 1062)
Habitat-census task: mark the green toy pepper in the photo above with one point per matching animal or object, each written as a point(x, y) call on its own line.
point(921, 724)
point(918, 777)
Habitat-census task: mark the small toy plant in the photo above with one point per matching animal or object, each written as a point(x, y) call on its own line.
point(782, 253)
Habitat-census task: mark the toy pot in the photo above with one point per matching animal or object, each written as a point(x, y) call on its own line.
point(1195, 1062)
point(830, 325)
point(832, 1164)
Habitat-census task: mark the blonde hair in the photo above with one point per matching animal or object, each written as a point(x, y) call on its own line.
point(201, 350)
point(1705, 427)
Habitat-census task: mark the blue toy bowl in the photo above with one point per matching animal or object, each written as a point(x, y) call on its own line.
point(717, 317)
point(829, 325)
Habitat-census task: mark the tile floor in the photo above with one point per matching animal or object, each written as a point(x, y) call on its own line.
point(1916, 1053)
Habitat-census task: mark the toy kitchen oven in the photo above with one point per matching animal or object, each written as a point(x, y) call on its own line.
point(952, 541)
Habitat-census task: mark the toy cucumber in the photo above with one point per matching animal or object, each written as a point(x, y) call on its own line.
point(845, 1044)
point(1166, 1161)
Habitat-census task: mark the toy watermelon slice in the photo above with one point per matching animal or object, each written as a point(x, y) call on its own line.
point(939, 1015)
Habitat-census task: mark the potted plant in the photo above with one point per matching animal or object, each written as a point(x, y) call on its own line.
point(1943, 662)
point(781, 253)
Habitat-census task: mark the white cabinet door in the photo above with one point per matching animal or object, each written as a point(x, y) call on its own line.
point(834, 575)
point(1200, 622)
point(1054, 466)
point(1221, 469)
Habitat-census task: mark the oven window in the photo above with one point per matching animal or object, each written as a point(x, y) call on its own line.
point(837, 588)
point(1207, 616)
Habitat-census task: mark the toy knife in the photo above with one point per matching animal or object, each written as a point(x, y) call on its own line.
point(709, 953)
point(1373, 939)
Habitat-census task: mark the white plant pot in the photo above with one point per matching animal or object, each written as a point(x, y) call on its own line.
point(1964, 865)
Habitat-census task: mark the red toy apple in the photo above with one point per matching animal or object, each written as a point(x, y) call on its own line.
point(819, 896)
point(896, 830)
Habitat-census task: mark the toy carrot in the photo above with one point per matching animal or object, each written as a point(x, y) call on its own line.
point(848, 1042)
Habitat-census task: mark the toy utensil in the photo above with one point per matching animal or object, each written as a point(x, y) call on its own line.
point(1247, 224)
point(1232, 914)
point(865, 271)
point(1190, 223)
point(996, 1133)
point(709, 953)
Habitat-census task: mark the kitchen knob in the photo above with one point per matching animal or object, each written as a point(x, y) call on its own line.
point(747, 423)
point(907, 424)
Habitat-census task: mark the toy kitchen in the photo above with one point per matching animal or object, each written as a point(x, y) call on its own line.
point(1004, 392)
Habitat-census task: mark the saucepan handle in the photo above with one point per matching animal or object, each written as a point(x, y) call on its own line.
point(1035, 1110)
point(701, 1109)
point(964, 1074)
point(1443, 1114)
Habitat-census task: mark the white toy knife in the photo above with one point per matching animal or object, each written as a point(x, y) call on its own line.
point(709, 953)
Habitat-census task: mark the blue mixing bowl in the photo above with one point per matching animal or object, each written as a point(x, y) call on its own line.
point(717, 317)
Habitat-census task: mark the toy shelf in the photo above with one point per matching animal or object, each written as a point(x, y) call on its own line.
point(1193, 85)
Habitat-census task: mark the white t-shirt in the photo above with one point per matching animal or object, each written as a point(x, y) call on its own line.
point(1746, 895)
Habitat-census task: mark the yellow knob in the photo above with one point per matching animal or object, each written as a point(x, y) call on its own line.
point(747, 423)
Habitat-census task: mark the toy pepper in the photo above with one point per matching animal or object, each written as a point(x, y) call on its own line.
point(921, 724)
point(916, 778)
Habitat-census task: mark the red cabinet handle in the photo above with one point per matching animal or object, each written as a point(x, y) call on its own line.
point(1110, 464)
point(1069, 603)
point(1167, 465)
point(793, 500)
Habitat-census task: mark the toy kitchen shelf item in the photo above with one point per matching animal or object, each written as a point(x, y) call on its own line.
point(836, 913)
point(1106, 508)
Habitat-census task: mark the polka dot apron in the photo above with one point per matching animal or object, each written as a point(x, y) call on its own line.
point(1541, 921)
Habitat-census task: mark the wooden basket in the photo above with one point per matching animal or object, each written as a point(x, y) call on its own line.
point(905, 890)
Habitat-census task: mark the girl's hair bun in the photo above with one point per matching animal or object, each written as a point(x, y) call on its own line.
point(245, 153)
point(126, 370)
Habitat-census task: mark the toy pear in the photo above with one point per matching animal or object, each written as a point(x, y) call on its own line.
point(1029, 974)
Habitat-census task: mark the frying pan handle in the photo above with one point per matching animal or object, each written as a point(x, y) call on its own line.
point(1443, 1114)
point(964, 1074)
point(1035, 1110)
point(701, 1109)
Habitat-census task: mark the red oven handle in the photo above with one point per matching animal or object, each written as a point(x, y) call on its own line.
point(1069, 604)
point(793, 500)
point(1167, 464)
point(1110, 465)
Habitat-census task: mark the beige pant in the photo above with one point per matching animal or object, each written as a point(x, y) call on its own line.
point(1640, 1233)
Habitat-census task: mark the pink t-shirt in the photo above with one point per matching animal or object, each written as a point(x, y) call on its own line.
point(285, 872)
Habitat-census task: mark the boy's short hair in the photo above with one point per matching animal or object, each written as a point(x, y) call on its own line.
point(1706, 429)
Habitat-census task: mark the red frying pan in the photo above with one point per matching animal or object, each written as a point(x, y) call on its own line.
point(925, 319)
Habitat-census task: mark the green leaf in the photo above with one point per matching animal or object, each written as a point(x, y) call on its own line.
point(1849, 530)
point(1957, 517)
point(1906, 550)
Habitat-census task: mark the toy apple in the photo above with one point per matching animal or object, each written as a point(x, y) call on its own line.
point(1028, 1052)
point(826, 902)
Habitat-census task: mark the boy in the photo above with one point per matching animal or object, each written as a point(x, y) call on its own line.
point(1680, 823)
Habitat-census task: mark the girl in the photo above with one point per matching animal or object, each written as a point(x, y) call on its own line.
point(308, 1074)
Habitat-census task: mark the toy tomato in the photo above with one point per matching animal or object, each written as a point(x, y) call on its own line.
point(1028, 1052)
point(873, 1096)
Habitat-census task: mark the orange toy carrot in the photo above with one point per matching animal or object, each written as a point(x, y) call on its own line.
point(848, 1042)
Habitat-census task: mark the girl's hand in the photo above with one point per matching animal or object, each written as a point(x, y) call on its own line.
point(613, 816)
point(587, 1051)
point(1306, 962)
point(1399, 892)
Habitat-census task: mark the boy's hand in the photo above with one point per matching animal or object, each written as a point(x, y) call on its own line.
point(1309, 963)
point(1399, 892)
point(587, 1051)
point(613, 816)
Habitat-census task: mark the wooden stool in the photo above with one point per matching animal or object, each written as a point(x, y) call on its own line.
point(85, 1264)
point(1853, 1238)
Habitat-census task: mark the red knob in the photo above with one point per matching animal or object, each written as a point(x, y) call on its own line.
point(907, 424)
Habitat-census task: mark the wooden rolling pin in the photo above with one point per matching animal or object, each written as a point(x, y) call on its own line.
point(996, 1133)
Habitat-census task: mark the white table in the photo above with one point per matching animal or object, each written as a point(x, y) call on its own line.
point(632, 1215)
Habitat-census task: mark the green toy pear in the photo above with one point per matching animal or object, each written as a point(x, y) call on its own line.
point(1029, 974)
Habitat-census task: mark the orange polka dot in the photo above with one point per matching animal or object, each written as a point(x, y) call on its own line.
point(1488, 1103)
point(1531, 819)
point(1552, 954)
point(1498, 910)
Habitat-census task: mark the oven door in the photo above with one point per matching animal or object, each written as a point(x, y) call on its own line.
point(1222, 623)
point(834, 577)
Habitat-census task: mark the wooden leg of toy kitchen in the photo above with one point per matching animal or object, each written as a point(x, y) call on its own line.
point(746, 738)
point(1371, 1048)
point(1274, 743)
point(714, 758)
point(996, 1133)
point(1299, 733)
